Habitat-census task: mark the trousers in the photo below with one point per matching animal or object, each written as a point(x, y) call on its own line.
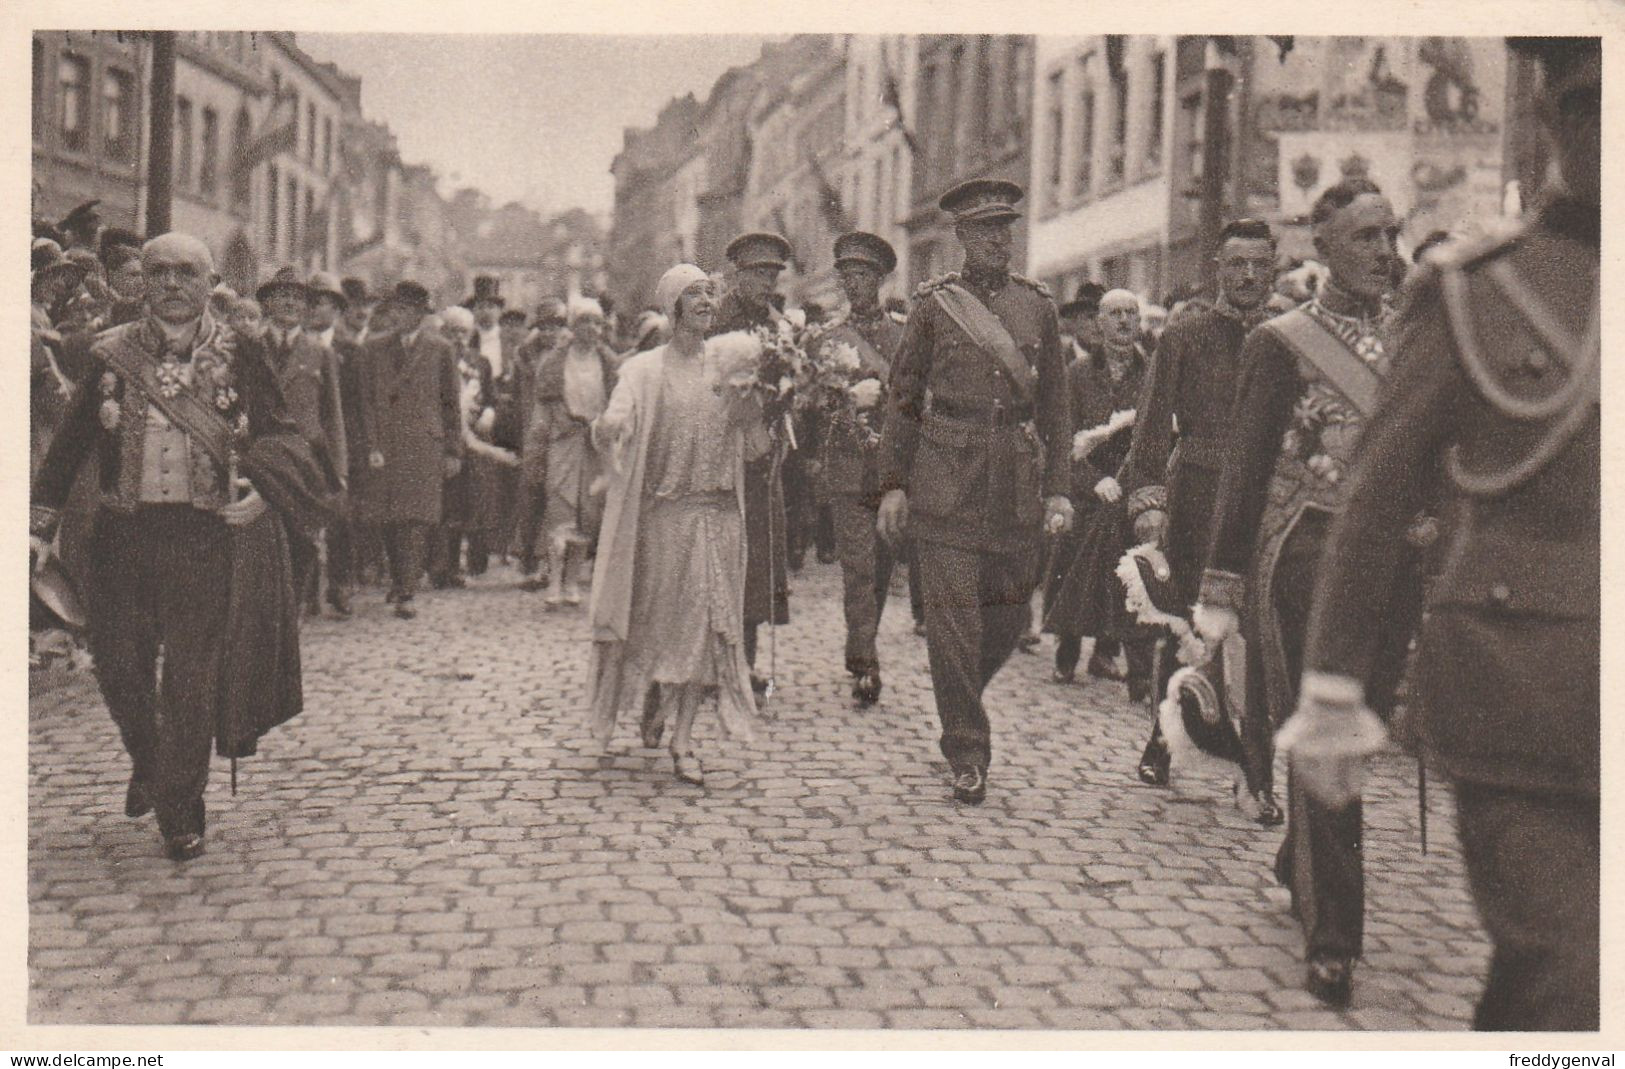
point(866, 566)
point(404, 547)
point(1533, 866)
point(161, 578)
point(976, 609)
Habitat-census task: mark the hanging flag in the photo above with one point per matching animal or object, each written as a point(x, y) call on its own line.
point(829, 198)
point(279, 133)
point(893, 96)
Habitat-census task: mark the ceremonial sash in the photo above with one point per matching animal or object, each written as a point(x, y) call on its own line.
point(185, 410)
point(1326, 353)
point(868, 355)
point(991, 338)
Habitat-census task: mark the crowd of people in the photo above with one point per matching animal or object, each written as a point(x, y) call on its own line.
point(1249, 502)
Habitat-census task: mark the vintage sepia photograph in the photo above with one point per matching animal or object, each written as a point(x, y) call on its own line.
point(820, 532)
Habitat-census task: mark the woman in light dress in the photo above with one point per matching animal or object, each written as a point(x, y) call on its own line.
point(573, 385)
point(668, 588)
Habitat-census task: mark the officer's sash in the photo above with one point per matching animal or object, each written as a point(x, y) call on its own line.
point(990, 337)
point(1326, 353)
point(185, 409)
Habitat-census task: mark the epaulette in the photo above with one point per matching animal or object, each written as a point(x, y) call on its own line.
point(1035, 285)
point(926, 288)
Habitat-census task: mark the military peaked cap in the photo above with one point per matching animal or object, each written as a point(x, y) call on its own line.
point(865, 248)
point(982, 199)
point(759, 250)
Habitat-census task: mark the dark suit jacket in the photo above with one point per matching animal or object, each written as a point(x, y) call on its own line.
point(410, 401)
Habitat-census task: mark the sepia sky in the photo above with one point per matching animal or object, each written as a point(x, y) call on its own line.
point(525, 117)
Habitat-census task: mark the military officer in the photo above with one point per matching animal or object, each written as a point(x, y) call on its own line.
point(851, 479)
point(981, 473)
point(1499, 354)
point(758, 259)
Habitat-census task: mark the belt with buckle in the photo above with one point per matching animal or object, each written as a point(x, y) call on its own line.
point(995, 415)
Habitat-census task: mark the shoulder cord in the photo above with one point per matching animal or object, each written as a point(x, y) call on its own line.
point(1586, 376)
point(1454, 290)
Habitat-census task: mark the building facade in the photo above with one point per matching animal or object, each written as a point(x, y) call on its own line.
point(644, 242)
point(878, 172)
point(974, 101)
point(1101, 183)
point(301, 192)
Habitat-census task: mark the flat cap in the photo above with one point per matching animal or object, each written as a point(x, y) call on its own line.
point(862, 247)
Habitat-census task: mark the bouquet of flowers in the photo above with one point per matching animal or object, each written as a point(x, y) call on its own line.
point(767, 361)
point(836, 383)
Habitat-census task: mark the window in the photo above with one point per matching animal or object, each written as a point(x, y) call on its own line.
point(118, 114)
point(987, 98)
point(878, 218)
point(310, 133)
point(953, 142)
point(241, 175)
point(293, 97)
point(1154, 128)
point(312, 237)
point(183, 143)
point(1191, 119)
point(1086, 133)
point(1017, 72)
point(273, 213)
point(293, 216)
point(73, 77)
point(327, 146)
point(927, 123)
point(39, 90)
point(209, 165)
point(1119, 142)
point(1057, 134)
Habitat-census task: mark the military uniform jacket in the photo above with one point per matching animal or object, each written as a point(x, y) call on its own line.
point(850, 456)
point(1499, 374)
point(308, 372)
point(411, 399)
point(977, 467)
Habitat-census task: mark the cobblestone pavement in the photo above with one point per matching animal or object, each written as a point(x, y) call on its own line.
point(433, 842)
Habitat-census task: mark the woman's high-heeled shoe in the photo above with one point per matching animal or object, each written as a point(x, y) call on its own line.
point(1154, 763)
point(689, 769)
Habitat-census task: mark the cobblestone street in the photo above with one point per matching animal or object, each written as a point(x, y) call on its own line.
point(434, 842)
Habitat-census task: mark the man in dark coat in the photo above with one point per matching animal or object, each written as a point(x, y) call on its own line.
point(1499, 350)
point(308, 372)
point(410, 397)
point(1192, 383)
point(1082, 597)
point(173, 407)
point(758, 259)
point(1308, 383)
point(851, 479)
point(978, 476)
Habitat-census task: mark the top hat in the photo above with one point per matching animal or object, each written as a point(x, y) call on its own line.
point(408, 294)
point(864, 248)
point(83, 216)
point(759, 250)
point(322, 284)
point(286, 278)
point(1558, 55)
point(487, 290)
point(512, 315)
point(982, 199)
point(118, 235)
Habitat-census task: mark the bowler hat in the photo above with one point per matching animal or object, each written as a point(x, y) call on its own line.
point(322, 284)
point(408, 294)
point(51, 264)
point(759, 250)
point(355, 291)
point(982, 199)
point(286, 278)
point(865, 248)
point(512, 315)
